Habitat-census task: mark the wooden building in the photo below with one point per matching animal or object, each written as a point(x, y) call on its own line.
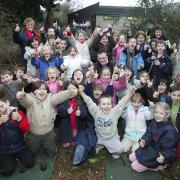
point(117, 16)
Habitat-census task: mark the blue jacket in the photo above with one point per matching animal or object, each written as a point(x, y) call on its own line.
point(11, 138)
point(137, 60)
point(43, 64)
point(160, 137)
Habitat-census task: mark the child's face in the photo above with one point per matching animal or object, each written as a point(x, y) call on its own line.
point(106, 74)
point(50, 33)
point(4, 107)
point(128, 73)
point(177, 78)
point(160, 114)
point(105, 105)
point(121, 40)
point(46, 51)
point(41, 93)
point(115, 37)
point(153, 45)
point(6, 79)
point(30, 26)
point(132, 43)
point(52, 74)
point(62, 45)
point(35, 43)
point(104, 40)
point(140, 39)
point(72, 52)
point(97, 93)
point(175, 96)
point(81, 37)
point(145, 76)
point(78, 76)
point(136, 104)
point(71, 87)
point(19, 74)
point(162, 87)
point(103, 59)
point(161, 48)
point(158, 33)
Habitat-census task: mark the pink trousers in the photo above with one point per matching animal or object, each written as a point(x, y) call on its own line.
point(139, 167)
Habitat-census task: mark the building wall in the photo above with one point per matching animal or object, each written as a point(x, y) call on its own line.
point(120, 24)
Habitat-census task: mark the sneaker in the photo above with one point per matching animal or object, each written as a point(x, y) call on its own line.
point(78, 154)
point(43, 166)
point(115, 156)
point(98, 148)
point(67, 145)
point(22, 168)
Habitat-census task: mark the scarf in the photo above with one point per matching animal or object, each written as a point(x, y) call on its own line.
point(73, 102)
point(31, 34)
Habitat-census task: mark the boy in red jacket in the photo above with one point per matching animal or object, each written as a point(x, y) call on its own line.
point(13, 125)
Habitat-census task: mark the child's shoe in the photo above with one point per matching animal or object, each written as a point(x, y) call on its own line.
point(115, 156)
point(98, 148)
point(43, 166)
point(67, 145)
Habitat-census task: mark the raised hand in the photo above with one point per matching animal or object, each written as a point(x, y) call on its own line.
point(81, 88)
point(96, 75)
point(63, 67)
point(156, 94)
point(3, 118)
point(61, 83)
point(17, 28)
point(133, 89)
point(20, 94)
point(42, 29)
point(68, 29)
point(78, 112)
point(16, 116)
point(157, 62)
point(70, 110)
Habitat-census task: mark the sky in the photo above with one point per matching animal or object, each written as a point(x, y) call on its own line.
point(85, 3)
point(109, 2)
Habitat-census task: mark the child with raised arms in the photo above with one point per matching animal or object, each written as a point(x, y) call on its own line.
point(106, 119)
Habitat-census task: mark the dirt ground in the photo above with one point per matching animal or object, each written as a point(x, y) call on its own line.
point(64, 170)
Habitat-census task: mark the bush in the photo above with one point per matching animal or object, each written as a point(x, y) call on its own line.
point(9, 51)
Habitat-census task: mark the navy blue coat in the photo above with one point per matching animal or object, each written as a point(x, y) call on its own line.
point(163, 71)
point(21, 38)
point(65, 125)
point(160, 138)
point(11, 138)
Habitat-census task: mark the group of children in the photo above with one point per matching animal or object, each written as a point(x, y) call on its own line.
point(84, 87)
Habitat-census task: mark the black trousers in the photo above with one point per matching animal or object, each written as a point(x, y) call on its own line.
point(8, 161)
